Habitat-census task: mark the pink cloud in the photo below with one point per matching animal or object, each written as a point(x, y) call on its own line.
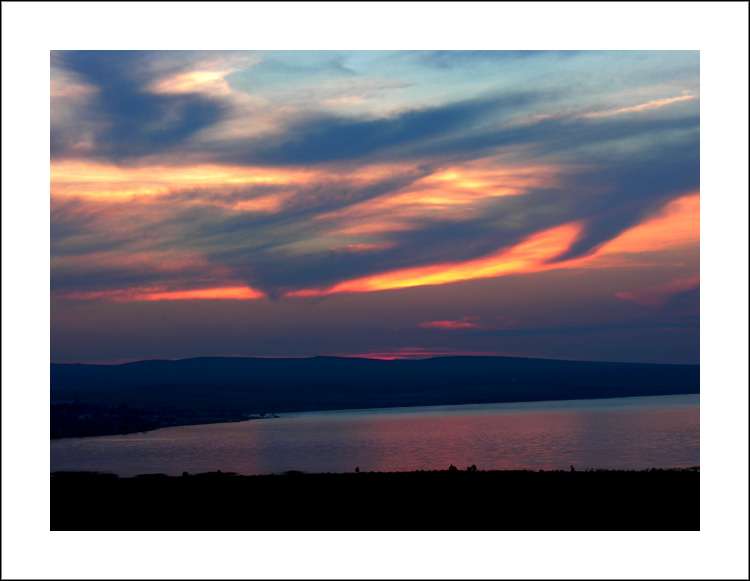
point(656, 296)
point(462, 323)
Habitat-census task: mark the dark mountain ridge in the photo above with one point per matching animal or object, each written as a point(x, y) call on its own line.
point(318, 383)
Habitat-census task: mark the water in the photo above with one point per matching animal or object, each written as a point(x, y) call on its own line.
point(622, 433)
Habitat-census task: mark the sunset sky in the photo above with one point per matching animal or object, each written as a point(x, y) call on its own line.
point(375, 203)
point(409, 165)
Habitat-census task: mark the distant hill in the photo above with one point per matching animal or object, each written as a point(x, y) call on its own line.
point(320, 383)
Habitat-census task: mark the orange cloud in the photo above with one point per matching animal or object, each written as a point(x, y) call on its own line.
point(677, 225)
point(236, 293)
point(483, 176)
point(110, 182)
point(160, 294)
point(211, 82)
point(529, 256)
point(455, 193)
point(207, 75)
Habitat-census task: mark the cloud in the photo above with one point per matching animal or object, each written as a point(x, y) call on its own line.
point(367, 229)
point(583, 329)
point(327, 138)
point(132, 121)
point(659, 295)
point(676, 225)
point(162, 294)
point(426, 190)
point(462, 323)
point(637, 191)
point(643, 106)
point(443, 59)
point(528, 256)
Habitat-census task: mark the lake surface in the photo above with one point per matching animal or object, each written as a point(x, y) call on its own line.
point(622, 433)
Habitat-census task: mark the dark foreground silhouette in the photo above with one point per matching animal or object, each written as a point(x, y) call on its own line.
point(453, 500)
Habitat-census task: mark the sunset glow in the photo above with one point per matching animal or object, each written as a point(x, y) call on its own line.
point(677, 225)
point(299, 203)
point(112, 182)
point(526, 257)
point(159, 294)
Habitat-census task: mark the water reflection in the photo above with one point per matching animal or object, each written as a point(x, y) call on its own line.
point(624, 433)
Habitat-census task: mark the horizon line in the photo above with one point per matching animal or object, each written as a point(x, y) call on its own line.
point(384, 357)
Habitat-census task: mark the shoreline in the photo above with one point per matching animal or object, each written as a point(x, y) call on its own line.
point(94, 474)
point(97, 420)
point(237, 419)
point(116, 432)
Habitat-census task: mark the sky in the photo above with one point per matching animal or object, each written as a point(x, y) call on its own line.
point(392, 204)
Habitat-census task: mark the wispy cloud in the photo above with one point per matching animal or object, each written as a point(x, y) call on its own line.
point(462, 323)
point(658, 295)
point(655, 104)
point(312, 174)
point(162, 294)
point(392, 204)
